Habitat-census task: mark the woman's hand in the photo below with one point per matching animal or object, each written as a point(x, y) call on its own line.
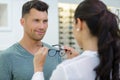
point(70, 52)
point(39, 59)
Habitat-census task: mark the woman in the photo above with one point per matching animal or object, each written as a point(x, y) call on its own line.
point(97, 33)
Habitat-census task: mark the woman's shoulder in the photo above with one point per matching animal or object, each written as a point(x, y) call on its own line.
point(83, 59)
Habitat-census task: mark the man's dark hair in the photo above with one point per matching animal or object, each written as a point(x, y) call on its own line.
point(37, 4)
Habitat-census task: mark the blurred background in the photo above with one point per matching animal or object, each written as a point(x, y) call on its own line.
point(60, 22)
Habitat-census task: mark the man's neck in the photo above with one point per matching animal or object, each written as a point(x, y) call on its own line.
point(31, 45)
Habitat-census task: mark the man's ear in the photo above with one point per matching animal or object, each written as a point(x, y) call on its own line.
point(22, 21)
point(79, 23)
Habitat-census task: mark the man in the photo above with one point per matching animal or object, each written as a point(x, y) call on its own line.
point(16, 62)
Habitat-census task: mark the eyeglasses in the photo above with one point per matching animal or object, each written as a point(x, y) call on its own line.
point(58, 49)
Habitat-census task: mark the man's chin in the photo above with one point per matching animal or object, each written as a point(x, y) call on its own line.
point(38, 39)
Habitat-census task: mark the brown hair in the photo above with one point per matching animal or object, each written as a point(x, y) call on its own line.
point(104, 25)
point(37, 4)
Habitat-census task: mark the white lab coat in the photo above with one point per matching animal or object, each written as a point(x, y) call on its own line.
point(78, 68)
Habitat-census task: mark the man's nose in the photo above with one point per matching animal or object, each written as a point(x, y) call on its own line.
point(41, 25)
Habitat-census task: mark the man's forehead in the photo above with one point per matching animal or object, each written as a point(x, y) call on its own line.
point(38, 13)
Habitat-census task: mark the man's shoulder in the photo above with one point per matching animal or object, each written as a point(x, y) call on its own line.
point(10, 50)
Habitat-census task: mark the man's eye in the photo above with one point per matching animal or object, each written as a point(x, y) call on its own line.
point(45, 21)
point(36, 20)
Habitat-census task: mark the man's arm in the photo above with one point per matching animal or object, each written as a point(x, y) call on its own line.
point(39, 60)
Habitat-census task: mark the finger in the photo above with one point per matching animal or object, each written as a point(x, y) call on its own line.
point(45, 49)
point(42, 51)
point(67, 48)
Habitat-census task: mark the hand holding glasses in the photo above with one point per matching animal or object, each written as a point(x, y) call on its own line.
point(58, 49)
point(62, 51)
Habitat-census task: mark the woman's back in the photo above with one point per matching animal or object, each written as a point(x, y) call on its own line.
point(79, 68)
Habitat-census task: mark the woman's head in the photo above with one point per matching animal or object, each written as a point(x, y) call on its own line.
point(97, 17)
point(99, 20)
point(88, 12)
point(91, 11)
point(103, 25)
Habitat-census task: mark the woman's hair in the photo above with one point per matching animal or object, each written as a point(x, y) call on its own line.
point(104, 25)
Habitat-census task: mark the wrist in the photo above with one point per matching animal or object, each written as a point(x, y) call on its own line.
point(38, 69)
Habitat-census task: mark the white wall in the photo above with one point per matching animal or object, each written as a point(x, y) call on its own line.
point(115, 3)
point(7, 38)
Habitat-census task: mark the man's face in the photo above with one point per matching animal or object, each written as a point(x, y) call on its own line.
point(35, 24)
